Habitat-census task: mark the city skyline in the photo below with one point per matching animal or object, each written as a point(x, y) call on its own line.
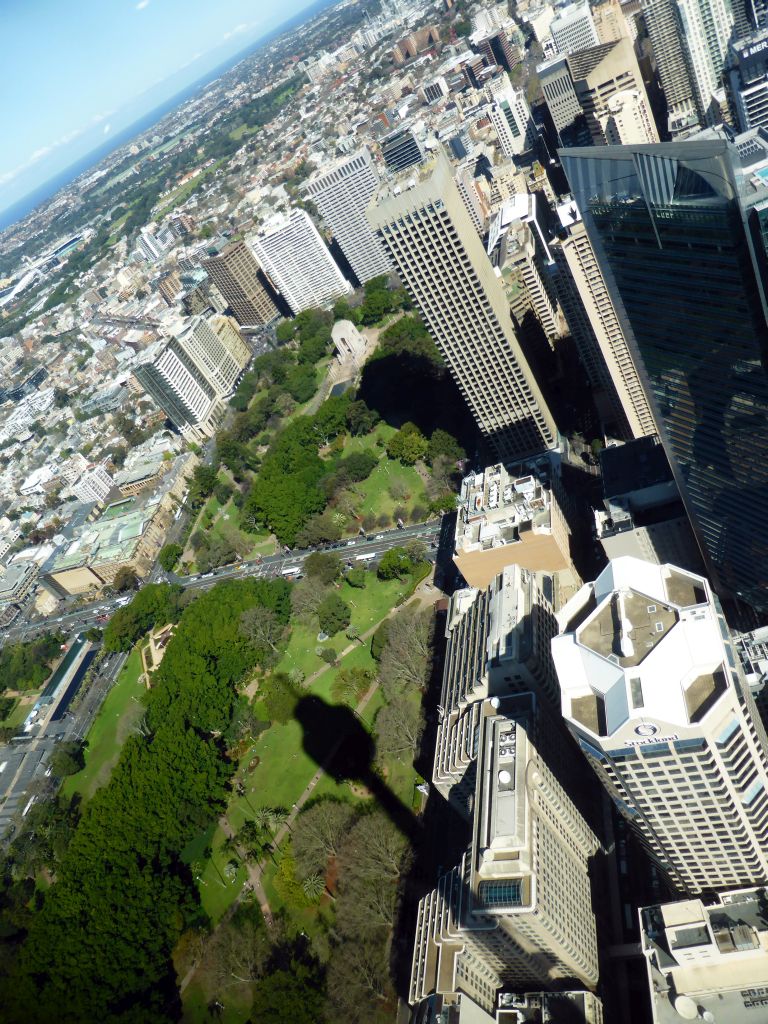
point(58, 119)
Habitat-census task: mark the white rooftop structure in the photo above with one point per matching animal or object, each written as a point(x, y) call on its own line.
point(708, 963)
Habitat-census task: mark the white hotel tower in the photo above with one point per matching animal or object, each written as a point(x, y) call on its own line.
point(654, 693)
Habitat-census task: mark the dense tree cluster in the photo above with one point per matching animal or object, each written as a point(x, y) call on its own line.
point(154, 605)
point(287, 491)
point(26, 666)
point(100, 946)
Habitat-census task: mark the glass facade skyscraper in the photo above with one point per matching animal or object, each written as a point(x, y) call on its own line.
point(680, 232)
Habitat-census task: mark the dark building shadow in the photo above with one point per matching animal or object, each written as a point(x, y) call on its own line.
point(405, 386)
point(338, 742)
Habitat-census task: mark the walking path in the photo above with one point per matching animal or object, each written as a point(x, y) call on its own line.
point(426, 594)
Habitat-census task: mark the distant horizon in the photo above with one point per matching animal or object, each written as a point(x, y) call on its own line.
point(67, 156)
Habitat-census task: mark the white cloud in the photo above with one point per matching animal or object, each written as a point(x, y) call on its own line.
point(107, 128)
point(142, 4)
point(237, 30)
point(40, 154)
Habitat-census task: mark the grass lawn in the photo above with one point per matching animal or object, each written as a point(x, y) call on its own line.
point(119, 714)
point(375, 498)
point(20, 710)
point(262, 542)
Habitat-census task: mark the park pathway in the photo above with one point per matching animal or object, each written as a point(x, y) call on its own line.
point(426, 594)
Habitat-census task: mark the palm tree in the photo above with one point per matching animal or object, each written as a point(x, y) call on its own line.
point(279, 816)
point(313, 886)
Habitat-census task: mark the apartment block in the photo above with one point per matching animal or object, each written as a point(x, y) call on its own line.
point(181, 388)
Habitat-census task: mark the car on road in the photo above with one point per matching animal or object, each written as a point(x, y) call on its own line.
point(379, 536)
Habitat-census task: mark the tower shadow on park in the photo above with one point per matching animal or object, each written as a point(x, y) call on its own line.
point(338, 742)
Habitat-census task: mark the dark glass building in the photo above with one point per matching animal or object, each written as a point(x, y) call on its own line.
point(680, 232)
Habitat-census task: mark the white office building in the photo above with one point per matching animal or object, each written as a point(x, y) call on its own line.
point(573, 29)
point(341, 193)
point(653, 692)
point(511, 118)
point(93, 485)
point(292, 253)
point(181, 388)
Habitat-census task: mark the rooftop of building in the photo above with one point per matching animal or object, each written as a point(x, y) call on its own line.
point(552, 1007)
point(643, 641)
point(13, 578)
point(633, 466)
point(499, 881)
point(495, 507)
point(708, 962)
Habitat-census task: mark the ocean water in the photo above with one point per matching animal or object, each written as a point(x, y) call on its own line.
point(39, 195)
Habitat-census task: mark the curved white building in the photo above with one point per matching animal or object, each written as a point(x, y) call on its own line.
point(653, 691)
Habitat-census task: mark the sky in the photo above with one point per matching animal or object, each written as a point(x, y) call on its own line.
point(72, 73)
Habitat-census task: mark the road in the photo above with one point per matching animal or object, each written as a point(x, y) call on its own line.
point(93, 614)
point(26, 760)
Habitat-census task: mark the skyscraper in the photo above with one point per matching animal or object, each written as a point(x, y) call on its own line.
point(400, 149)
point(342, 193)
point(297, 260)
point(424, 226)
point(653, 692)
point(706, 27)
point(573, 29)
point(511, 117)
point(181, 388)
point(220, 361)
point(615, 371)
point(602, 89)
point(748, 80)
point(679, 232)
point(237, 275)
point(517, 911)
point(661, 19)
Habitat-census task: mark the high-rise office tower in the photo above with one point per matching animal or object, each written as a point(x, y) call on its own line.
point(424, 226)
point(221, 362)
point(237, 276)
point(342, 193)
point(498, 643)
point(573, 29)
point(614, 369)
point(678, 231)
point(230, 337)
point(518, 248)
point(653, 692)
point(748, 80)
point(603, 87)
point(295, 257)
point(497, 49)
point(517, 911)
point(662, 21)
point(510, 116)
point(181, 388)
point(706, 27)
